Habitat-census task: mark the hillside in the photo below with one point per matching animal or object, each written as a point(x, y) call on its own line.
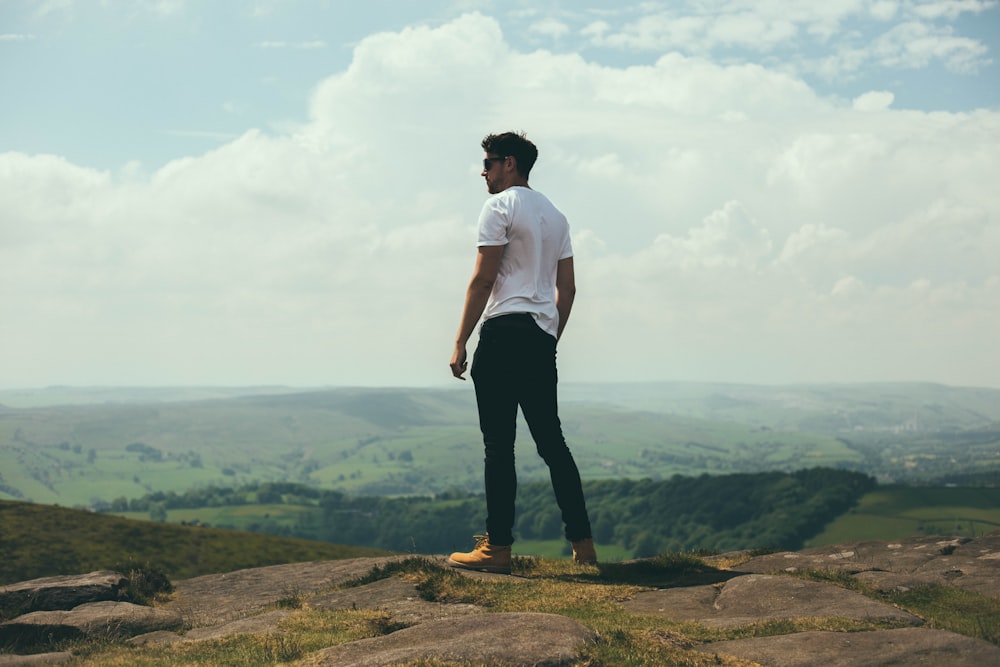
point(42, 540)
point(86, 448)
point(636, 517)
point(630, 517)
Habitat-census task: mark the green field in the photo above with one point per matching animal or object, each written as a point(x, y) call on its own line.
point(607, 553)
point(102, 445)
point(86, 455)
point(887, 513)
point(269, 518)
point(895, 512)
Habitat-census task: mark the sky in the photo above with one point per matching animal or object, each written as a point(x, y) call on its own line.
point(286, 192)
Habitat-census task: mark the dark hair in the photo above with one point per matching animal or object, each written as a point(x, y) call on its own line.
point(516, 145)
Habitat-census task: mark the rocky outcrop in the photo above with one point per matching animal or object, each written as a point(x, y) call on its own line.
point(500, 639)
point(216, 598)
point(64, 592)
point(755, 598)
point(261, 624)
point(757, 591)
point(883, 648)
point(969, 564)
point(109, 620)
point(399, 597)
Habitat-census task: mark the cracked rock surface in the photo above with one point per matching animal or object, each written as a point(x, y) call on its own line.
point(759, 590)
point(754, 598)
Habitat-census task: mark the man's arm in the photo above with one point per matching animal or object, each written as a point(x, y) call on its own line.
point(476, 297)
point(565, 292)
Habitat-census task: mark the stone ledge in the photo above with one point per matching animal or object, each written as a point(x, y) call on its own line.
point(508, 639)
point(906, 646)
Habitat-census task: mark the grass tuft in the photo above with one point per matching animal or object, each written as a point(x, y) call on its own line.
point(145, 583)
point(407, 566)
point(302, 633)
point(942, 607)
point(953, 609)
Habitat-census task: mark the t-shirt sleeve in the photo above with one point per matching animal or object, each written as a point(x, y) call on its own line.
point(493, 224)
point(567, 248)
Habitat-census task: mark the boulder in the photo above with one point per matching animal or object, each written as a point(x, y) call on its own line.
point(62, 592)
point(505, 639)
point(95, 619)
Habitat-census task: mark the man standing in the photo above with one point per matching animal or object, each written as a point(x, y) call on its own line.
point(523, 286)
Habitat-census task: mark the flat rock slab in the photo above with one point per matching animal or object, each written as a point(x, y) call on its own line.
point(970, 564)
point(36, 659)
point(398, 597)
point(882, 648)
point(96, 619)
point(62, 592)
point(262, 624)
point(760, 597)
point(215, 598)
point(504, 639)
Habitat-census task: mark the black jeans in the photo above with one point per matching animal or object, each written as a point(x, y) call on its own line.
point(515, 365)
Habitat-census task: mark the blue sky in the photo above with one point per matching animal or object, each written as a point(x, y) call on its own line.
point(285, 192)
point(105, 83)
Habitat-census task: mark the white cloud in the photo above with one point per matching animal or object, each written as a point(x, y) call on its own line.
point(949, 9)
point(13, 37)
point(834, 39)
point(659, 32)
point(729, 224)
point(915, 45)
point(728, 237)
point(884, 10)
point(875, 100)
point(550, 28)
point(750, 30)
point(596, 31)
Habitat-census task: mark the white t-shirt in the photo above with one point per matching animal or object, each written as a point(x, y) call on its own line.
point(537, 237)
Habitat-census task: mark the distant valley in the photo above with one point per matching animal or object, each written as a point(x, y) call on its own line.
point(87, 447)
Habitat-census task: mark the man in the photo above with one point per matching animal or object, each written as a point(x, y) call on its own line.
point(523, 286)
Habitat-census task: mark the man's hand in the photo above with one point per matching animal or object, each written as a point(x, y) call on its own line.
point(476, 296)
point(459, 362)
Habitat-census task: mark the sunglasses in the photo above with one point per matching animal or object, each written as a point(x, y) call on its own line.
point(488, 162)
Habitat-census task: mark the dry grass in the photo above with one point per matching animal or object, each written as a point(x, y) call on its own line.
point(589, 595)
point(301, 633)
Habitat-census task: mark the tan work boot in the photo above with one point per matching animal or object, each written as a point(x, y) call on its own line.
point(485, 557)
point(584, 552)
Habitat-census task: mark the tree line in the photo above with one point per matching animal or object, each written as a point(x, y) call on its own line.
point(778, 510)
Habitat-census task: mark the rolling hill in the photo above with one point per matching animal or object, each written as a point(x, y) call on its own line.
point(86, 448)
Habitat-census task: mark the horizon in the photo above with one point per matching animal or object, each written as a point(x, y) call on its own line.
point(285, 194)
point(467, 385)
